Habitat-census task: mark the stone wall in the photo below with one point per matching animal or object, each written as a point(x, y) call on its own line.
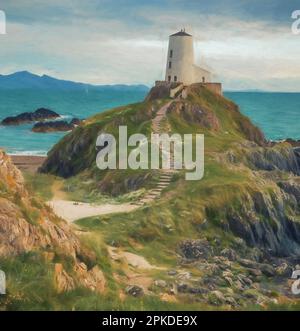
point(214, 87)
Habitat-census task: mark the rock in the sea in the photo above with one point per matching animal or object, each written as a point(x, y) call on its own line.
point(54, 126)
point(76, 121)
point(40, 114)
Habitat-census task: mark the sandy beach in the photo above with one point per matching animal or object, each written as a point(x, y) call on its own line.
point(28, 163)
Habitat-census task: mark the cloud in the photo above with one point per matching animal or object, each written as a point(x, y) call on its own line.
point(120, 41)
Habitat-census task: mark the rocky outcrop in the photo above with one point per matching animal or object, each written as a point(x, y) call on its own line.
point(161, 91)
point(194, 114)
point(27, 225)
point(92, 279)
point(263, 222)
point(195, 249)
point(41, 114)
point(57, 126)
point(281, 157)
point(59, 160)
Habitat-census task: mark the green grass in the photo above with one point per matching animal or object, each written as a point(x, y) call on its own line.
point(40, 185)
point(30, 287)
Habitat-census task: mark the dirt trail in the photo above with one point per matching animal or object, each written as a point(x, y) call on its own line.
point(72, 210)
point(57, 191)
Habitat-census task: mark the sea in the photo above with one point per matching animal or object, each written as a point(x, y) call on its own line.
point(277, 114)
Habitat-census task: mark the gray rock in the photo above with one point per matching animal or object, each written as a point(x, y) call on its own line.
point(216, 298)
point(195, 249)
point(172, 272)
point(267, 270)
point(160, 283)
point(185, 275)
point(229, 253)
point(134, 290)
point(254, 272)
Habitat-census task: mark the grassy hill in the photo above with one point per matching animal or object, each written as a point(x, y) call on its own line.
point(228, 241)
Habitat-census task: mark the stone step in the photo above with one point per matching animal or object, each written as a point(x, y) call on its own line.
point(164, 181)
point(157, 191)
point(152, 196)
point(154, 191)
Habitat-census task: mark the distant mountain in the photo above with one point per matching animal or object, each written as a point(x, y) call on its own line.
point(26, 80)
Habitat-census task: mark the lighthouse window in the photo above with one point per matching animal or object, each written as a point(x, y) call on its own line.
point(170, 65)
point(175, 78)
point(169, 78)
point(171, 53)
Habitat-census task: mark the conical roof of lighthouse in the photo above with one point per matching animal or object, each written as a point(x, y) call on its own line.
point(181, 33)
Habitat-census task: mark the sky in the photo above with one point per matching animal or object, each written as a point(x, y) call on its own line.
point(247, 44)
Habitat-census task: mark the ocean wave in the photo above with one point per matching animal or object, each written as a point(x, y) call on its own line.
point(27, 153)
point(65, 117)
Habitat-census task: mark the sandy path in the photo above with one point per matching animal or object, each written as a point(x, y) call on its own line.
point(58, 192)
point(72, 211)
point(28, 163)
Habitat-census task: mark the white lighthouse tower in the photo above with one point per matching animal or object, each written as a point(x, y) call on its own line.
point(181, 62)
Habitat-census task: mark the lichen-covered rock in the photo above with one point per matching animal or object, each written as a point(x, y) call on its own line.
point(195, 249)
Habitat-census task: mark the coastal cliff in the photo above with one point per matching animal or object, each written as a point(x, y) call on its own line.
point(221, 239)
